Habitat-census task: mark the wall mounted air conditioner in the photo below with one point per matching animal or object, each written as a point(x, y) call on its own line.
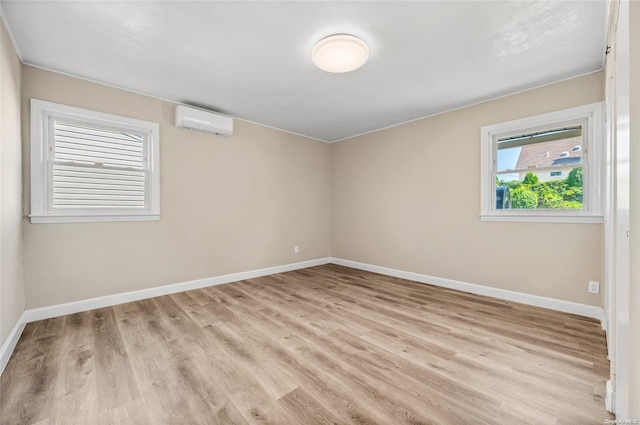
point(201, 120)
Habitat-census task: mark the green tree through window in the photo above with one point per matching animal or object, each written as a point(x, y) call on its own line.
point(531, 193)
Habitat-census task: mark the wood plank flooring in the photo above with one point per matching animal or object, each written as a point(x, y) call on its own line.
point(324, 345)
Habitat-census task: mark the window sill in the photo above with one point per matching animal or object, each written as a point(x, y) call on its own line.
point(531, 218)
point(35, 219)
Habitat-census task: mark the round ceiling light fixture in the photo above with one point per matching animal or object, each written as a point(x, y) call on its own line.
point(340, 53)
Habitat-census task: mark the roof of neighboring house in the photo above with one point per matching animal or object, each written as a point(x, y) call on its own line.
point(548, 154)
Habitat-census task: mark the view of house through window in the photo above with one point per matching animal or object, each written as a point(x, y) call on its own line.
point(540, 170)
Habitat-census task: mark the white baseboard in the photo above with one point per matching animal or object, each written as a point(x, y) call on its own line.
point(604, 321)
point(608, 398)
point(503, 294)
point(10, 343)
point(109, 300)
point(77, 306)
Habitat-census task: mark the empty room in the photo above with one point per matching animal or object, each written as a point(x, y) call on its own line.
point(320, 212)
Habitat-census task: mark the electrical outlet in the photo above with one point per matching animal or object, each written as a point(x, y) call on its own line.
point(594, 287)
point(296, 249)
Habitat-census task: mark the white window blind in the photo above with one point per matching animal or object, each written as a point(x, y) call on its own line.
point(97, 168)
point(91, 166)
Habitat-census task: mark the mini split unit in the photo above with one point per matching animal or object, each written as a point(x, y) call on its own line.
point(204, 121)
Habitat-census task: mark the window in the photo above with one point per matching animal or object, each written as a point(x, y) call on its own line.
point(90, 166)
point(544, 168)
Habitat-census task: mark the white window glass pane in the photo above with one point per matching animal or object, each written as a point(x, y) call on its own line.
point(541, 190)
point(560, 147)
point(75, 143)
point(77, 186)
point(97, 167)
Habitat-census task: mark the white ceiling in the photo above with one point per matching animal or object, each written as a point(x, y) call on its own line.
point(252, 60)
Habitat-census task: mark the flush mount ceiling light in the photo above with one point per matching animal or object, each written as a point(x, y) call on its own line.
point(340, 53)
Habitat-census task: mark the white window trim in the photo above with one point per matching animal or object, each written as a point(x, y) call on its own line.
point(41, 183)
point(593, 145)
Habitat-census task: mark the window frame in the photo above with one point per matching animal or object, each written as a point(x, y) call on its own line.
point(42, 209)
point(593, 139)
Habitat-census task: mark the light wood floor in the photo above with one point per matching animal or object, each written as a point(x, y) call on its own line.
point(327, 344)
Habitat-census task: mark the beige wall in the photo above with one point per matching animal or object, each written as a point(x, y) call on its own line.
point(405, 197)
point(11, 272)
point(228, 205)
point(409, 198)
point(634, 213)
